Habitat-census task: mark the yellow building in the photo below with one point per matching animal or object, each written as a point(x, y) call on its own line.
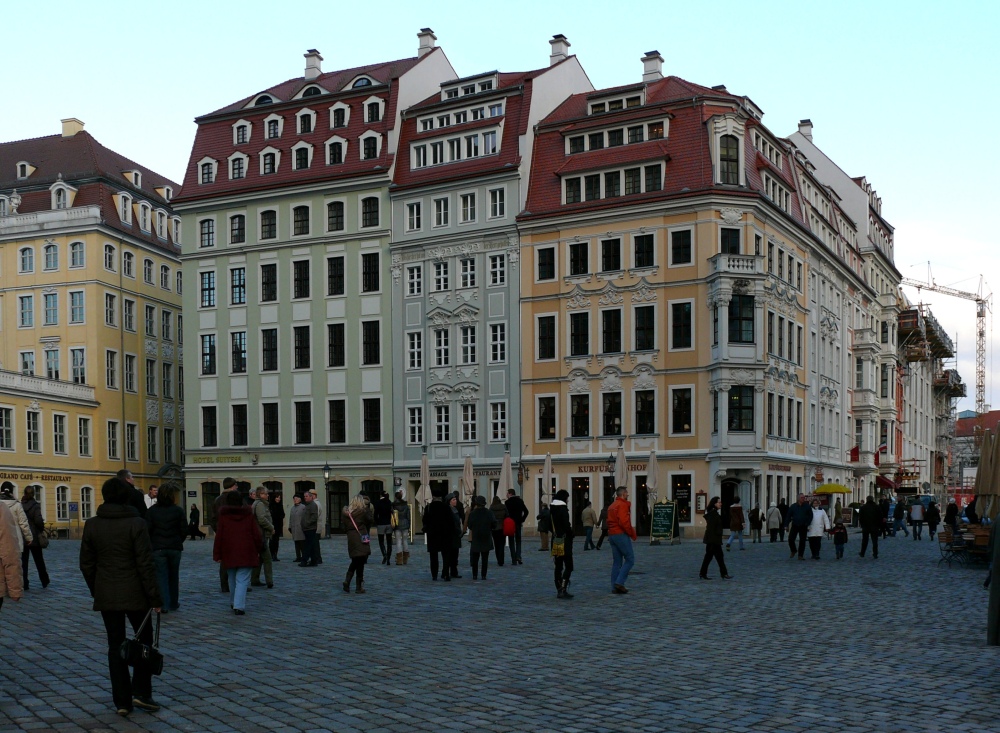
point(90, 324)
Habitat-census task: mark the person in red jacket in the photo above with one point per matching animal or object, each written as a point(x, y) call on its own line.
point(238, 542)
point(621, 535)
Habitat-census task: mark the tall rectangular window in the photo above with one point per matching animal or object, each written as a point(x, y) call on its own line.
point(498, 422)
point(468, 272)
point(76, 308)
point(611, 255)
point(300, 214)
point(338, 420)
point(643, 250)
point(413, 216)
point(579, 408)
point(239, 346)
point(440, 276)
point(440, 212)
point(269, 419)
point(579, 334)
point(166, 321)
point(645, 339)
point(51, 302)
point(633, 181)
point(83, 434)
point(442, 354)
point(303, 422)
point(7, 428)
point(268, 224)
point(269, 350)
point(110, 309)
point(239, 431)
point(301, 347)
point(546, 411)
point(300, 279)
point(546, 263)
point(371, 409)
point(680, 247)
point(208, 353)
point(238, 286)
point(414, 280)
point(469, 422)
point(209, 427)
point(208, 289)
point(497, 202)
point(415, 350)
point(26, 311)
point(468, 210)
point(168, 445)
point(151, 377)
point(467, 334)
point(237, 229)
point(268, 283)
point(741, 317)
point(59, 434)
point(680, 411)
point(335, 345)
point(612, 184)
point(111, 369)
point(498, 269)
point(206, 231)
point(370, 280)
point(573, 191)
point(740, 400)
point(113, 449)
point(611, 331)
point(52, 364)
point(611, 403)
point(442, 423)
point(578, 255)
point(78, 366)
point(152, 444)
point(498, 343)
point(645, 412)
point(371, 347)
point(335, 215)
point(168, 381)
point(730, 241)
point(682, 327)
point(547, 337)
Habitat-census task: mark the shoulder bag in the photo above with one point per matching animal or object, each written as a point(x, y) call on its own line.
point(558, 546)
point(364, 537)
point(134, 651)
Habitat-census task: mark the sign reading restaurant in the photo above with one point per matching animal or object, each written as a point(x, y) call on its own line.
point(475, 472)
point(32, 477)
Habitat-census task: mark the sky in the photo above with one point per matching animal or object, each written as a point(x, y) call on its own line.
point(897, 91)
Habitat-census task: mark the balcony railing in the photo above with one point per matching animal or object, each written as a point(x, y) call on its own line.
point(738, 264)
point(53, 219)
point(38, 386)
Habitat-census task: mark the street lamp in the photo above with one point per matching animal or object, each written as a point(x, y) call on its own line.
point(326, 474)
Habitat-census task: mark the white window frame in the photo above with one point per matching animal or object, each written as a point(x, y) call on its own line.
point(309, 155)
point(414, 350)
point(281, 125)
point(498, 203)
point(414, 280)
point(347, 114)
point(415, 425)
point(538, 421)
point(555, 316)
point(694, 411)
point(469, 417)
point(501, 421)
point(414, 216)
point(670, 325)
point(442, 428)
point(498, 270)
point(215, 169)
point(463, 199)
point(442, 212)
point(495, 343)
point(305, 111)
point(378, 144)
point(236, 125)
point(246, 165)
point(277, 160)
point(83, 254)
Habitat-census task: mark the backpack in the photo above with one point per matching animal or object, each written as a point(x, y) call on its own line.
point(508, 527)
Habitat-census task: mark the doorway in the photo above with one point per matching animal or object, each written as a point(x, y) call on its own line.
point(643, 520)
point(578, 495)
point(730, 490)
point(338, 496)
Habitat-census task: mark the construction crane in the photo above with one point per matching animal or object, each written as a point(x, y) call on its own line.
point(982, 305)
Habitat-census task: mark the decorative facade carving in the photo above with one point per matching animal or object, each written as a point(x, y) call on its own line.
point(611, 381)
point(440, 394)
point(643, 378)
point(151, 349)
point(467, 393)
point(731, 217)
point(168, 413)
point(579, 300)
point(180, 414)
point(643, 294)
point(168, 351)
point(152, 410)
point(513, 255)
point(397, 269)
point(612, 297)
point(578, 381)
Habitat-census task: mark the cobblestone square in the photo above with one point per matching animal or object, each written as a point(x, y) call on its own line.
point(890, 645)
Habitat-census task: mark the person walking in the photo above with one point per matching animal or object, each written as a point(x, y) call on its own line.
point(228, 486)
point(602, 522)
point(933, 518)
point(839, 538)
point(480, 524)
point(899, 518)
point(818, 526)
point(458, 519)
point(359, 518)
point(383, 523)
point(783, 508)
point(756, 524)
point(499, 510)
point(309, 520)
point(870, 520)
point(167, 530)
point(799, 518)
point(295, 526)
point(116, 560)
point(277, 509)
point(544, 520)
point(517, 511)
point(262, 515)
point(439, 526)
point(917, 520)
point(713, 541)
point(590, 519)
point(773, 519)
point(317, 554)
point(951, 514)
point(33, 511)
point(238, 545)
point(11, 585)
point(621, 535)
point(24, 533)
point(562, 529)
point(401, 529)
point(194, 524)
point(737, 521)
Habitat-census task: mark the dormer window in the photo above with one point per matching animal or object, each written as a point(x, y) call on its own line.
point(144, 212)
point(306, 121)
point(24, 169)
point(161, 225)
point(496, 110)
point(303, 155)
point(374, 112)
point(137, 179)
point(469, 89)
point(167, 192)
point(312, 92)
point(125, 209)
point(485, 86)
point(177, 230)
point(274, 125)
point(270, 159)
point(729, 160)
point(3, 206)
point(362, 82)
point(272, 129)
point(263, 99)
point(451, 94)
point(241, 134)
point(60, 196)
point(340, 115)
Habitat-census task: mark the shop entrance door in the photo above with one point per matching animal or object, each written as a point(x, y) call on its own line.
point(643, 520)
point(580, 492)
point(730, 490)
point(338, 495)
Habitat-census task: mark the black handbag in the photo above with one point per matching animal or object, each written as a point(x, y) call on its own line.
point(133, 651)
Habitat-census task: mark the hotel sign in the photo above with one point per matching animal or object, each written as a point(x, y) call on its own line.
point(217, 459)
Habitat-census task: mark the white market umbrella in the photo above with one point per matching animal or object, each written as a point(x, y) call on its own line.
point(468, 481)
point(505, 478)
point(621, 469)
point(424, 492)
point(651, 480)
point(547, 476)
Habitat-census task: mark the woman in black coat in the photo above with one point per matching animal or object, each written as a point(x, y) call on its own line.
point(499, 511)
point(562, 529)
point(458, 518)
point(194, 524)
point(116, 559)
point(480, 524)
point(167, 531)
point(33, 511)
point(713, 541)
point(278, 520)
point(440, 530)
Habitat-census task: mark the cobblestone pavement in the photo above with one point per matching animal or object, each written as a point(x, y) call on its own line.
point(890, 645)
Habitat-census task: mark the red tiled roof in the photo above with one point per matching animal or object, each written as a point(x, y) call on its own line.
point(686, 151)
point(90, 167)
point(515, 118)
point(966, 427)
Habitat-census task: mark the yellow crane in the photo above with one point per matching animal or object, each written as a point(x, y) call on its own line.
point(983, 303)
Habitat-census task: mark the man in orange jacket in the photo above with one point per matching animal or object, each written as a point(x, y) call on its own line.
point(621, 535)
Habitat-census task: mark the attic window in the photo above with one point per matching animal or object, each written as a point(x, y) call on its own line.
point(362, 82)
point(312, 92)
point(451, 94)
point(262, 100)
point(597, 109)
point(137, 179)
point(22, 170)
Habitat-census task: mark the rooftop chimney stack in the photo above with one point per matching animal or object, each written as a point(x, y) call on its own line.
point(71, 126)
point(427, 42)
point(652, 66)
point(806, 129)
point(560, 49)
point(314, 64)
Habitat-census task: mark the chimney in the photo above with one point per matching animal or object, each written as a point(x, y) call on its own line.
point(806, 129)
point(314, 64)
point(560, 49)
point(427, 38)
point(71, 126)
point(652, 66)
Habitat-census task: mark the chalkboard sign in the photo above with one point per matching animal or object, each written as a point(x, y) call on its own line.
point(663, 521)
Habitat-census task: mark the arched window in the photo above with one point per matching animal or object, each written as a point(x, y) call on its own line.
point(369, 212)
point(237, 229)
point(362, 82)
point(51, 257)
point(178, 279)
point(262, 100)
point(164, 277)
point(268, 163)
point(729, 160)
point(335, 216)
point(312, 92)
point(27, 260)
point(128, 264)
point(60, 198)
point(300, 220)
point(336, 153)
point(76, 254)
point(109, 257)
point(147, 271)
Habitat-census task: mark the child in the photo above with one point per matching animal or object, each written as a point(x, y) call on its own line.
point(839, 533)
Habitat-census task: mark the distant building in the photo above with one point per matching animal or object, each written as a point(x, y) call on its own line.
point(91, 330)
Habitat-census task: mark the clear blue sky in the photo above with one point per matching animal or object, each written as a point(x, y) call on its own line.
point(897, 91)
